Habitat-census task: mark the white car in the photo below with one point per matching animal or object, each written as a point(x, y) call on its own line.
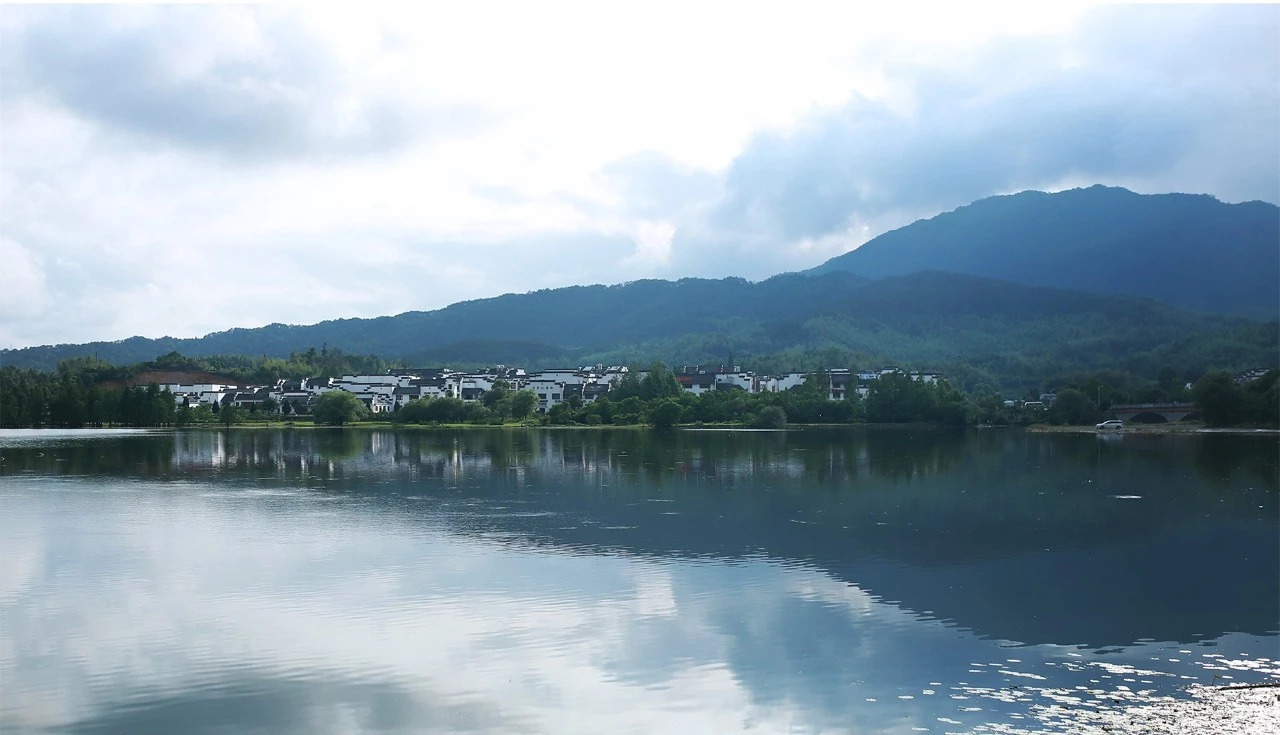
point(1110, 425)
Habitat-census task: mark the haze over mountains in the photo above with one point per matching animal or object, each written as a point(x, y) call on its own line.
point(1032, 278)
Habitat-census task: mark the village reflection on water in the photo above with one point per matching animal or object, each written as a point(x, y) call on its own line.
point(582, 581)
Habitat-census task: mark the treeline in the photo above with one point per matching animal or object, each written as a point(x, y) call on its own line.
point(1217, 398)
point(1011, 361)
point(32, 398)
point(1224, 402)
point(323, 363)
point(328, 362)
point(263, 370)
point(87, 392)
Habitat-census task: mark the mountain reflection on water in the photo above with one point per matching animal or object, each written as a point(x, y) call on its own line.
point(817, 573)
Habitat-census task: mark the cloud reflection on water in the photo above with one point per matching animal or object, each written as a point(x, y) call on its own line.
point(378, 582)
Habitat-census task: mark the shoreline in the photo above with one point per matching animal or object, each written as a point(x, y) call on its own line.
point(1154, 429)
point(1136, 430)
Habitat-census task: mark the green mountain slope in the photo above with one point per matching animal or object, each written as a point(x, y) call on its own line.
point(983, 330)
point(989, 330)
point(563, 321)
point(1191, 251)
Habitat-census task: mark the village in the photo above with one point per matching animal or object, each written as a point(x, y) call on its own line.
point(386, 393)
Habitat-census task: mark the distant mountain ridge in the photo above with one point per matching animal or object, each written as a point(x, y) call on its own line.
point(1111, 255)
point(1007, 331)
point(545, 322)
point(1188, 250)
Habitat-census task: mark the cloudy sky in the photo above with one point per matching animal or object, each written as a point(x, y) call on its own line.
point(181, 170)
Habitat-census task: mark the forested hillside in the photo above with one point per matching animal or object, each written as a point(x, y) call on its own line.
point(1189, 250)
point(1005, 292)
point(978, 330)
point(551, 323)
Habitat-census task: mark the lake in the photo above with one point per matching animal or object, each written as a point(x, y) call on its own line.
point(613, 581)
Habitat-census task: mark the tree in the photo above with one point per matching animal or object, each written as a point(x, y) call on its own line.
point(522, 404)
point(665, 414)
point(229, 415)
point(1168, 380)
point(176, 361)
point(1072, 407)
point(202, 414)
point(494, 395)
point(659, 383)
point(627, 387)
point(561, 413)
point(1224, 402)
point(771, 417)
point(628, 411)
point(1220, 400)
point(338, 407)
point(269, 405)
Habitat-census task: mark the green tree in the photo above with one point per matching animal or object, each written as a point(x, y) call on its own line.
point(770, 417)
point(1224, 402)
point(1072, 407)
point(665, 414)
point(1168, 381)
point(492, 397)
point(1220, 400)
point(229, 415)
point(522, 404)
point(627, 387)
point(176, 361)
point(628, 411)
point(659, 383)
point(338, 407)
point(561, 413)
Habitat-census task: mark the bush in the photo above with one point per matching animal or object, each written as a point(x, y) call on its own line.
point(772, 417)
point(665, 414)
point(337, 407)
point(1223, 402)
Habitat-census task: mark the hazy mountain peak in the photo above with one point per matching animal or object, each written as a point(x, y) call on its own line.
point(1190, 250)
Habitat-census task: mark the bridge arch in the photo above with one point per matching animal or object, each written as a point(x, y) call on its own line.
point(1152, 412)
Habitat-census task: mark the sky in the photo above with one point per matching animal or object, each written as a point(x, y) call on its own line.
point(179, 170)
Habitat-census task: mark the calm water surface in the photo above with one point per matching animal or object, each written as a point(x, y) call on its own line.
point(625, 581)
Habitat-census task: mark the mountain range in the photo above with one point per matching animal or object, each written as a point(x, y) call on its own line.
point(1011, 285)
point(1188, 250)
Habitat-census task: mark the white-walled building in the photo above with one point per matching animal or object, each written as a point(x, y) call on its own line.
point(397, 388)
point(550, 391)
point(745, 380)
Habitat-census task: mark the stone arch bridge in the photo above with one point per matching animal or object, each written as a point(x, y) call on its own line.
point(1148, 411)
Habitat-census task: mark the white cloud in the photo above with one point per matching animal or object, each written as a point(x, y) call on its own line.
point(653, 245)
point(180, 170)
point(22, 282)
point(505, 636)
